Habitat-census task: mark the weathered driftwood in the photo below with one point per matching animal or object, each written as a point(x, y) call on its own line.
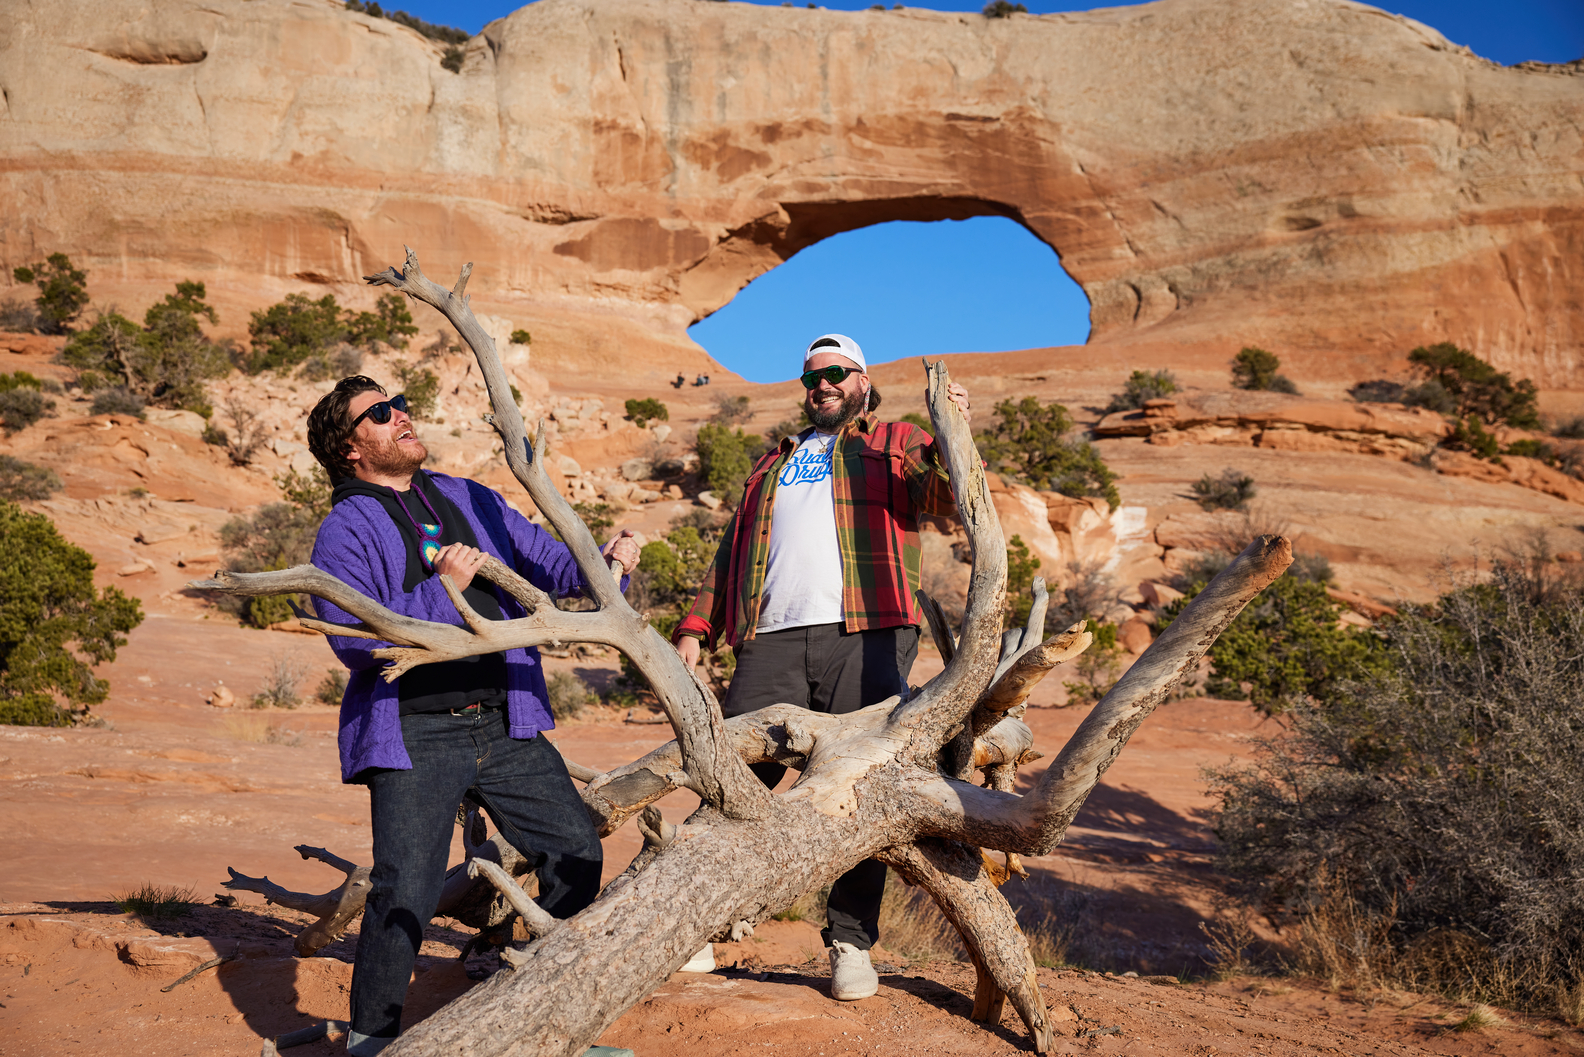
point(884, 782)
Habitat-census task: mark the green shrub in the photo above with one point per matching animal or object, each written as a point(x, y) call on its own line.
point(1469, 435)
point(1000, 9)
point(117, 401)
point(288, 332)
point(343, 361)
point(1142, 386)
point(164, 362)
point(390, 323)
point(452, 59)
point(1429, 816)
point(1231, 491)
point(1021, 567)
point(1030, 443)
point(1254, 368)
point(521, 337)
point(921, 421)
point(54, 627)
point(670, 570)
point(63, 292)
point(788, 427)
point(422, 387)
point(1476, 387)
point(725, 457)
point(444, 34)
point(23, 480)
point(1569, 429)
point(596, 516)
point(19, 380)
point(646, 410)
point(1286, 648)
point(21, 407)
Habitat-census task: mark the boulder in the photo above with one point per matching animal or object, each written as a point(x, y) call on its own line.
point(708, 501)
point(1158, 595)
point(1134, 635)
point(567, 466)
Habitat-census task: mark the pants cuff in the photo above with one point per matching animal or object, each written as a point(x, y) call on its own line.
point(361, 1045)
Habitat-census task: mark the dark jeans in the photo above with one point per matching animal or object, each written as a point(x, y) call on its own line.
point(525, 789)
point(825, 669)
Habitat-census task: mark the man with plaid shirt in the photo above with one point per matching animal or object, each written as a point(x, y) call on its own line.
point(813, 589)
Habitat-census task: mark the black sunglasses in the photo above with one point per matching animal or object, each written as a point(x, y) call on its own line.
point(380, 412)
point(833, 374)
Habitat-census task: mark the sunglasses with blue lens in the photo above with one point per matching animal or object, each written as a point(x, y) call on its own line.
point(833, 374)
point(381, 412)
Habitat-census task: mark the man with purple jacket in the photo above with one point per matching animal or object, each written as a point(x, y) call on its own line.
point(446, 730)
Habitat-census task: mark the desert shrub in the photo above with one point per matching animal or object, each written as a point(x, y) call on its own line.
point(1569, 429)
point(787, 427)
point(54, 627)
point(670, 570)
point(730, 410)
point(1090, 593)
point(1254, 368)
point(521, 337)
point(290, 331)
point(343, 361)
point(444, 34)
point(1002, 9)
point(646, 410)
point(1096, 667)
point(1435, 807)
point(18, 316)
point(921, 421)
point(276, 536)
point(1468, 434)
point(21, 407)
point(725, 457)
point(160, 902)
point(1231, 491)
point(452, 59)
point(245, 437)
point(422, 387)
point(1477, 388)
point(286, 670)
point(332, 688)
point(23, 480)
point(1377, 391)
point(308, 492)
point(913, 925)
point(117, 401)
point(1031, 443)
point(164, 362)
point(1286, 648)
point(1021, 567)
point(1142, 386)
point(63, 292)
point(569, 695)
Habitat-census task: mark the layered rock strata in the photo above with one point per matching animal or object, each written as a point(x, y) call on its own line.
point(1322, 178)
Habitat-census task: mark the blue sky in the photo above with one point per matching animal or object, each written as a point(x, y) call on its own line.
point(983, 285)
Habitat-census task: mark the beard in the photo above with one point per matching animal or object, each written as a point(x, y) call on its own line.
point(389, 458)
point(832, 416)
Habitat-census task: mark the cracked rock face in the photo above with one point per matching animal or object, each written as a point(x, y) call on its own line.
point(1320, 178)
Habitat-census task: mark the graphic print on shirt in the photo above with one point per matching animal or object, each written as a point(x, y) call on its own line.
point(429, 545)
point(803, 576)
point(808, 465)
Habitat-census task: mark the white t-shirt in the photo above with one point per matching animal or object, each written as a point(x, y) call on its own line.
point(803, 578)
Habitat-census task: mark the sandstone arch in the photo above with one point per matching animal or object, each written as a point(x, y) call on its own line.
point(1318, 177)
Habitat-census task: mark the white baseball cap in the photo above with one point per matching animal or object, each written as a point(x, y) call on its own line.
point(840, 343)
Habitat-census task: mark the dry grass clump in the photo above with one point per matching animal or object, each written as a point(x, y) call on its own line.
point(157, 901)
point(1479, 1018)
point(912, 926)
point(1055, 919)
point(260, 730)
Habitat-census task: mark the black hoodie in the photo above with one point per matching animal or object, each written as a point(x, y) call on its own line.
point(446, 685)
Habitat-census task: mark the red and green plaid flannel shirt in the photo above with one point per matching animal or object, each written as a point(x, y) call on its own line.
point(885, 474)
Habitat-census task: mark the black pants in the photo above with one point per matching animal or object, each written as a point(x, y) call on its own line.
point(825, 669)
point(526, 791)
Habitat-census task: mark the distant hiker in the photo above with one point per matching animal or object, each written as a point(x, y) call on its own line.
point(698, 380)
point(681, 381)
point(706, 379)
point(448, 730)
point(813, 589)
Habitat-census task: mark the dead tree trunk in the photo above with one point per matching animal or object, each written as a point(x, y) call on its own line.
point(877, 782)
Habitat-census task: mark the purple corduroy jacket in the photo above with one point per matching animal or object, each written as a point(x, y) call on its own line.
point(361, 546)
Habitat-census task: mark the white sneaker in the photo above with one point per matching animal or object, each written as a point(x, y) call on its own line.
point(702, 962)
point(852, 976)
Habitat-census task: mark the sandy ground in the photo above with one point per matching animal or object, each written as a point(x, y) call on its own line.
point(174, 791)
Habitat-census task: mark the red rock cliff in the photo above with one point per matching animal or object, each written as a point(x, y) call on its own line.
point(1317, 176)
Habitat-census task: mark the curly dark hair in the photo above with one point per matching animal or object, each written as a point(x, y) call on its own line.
point(330, 421)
